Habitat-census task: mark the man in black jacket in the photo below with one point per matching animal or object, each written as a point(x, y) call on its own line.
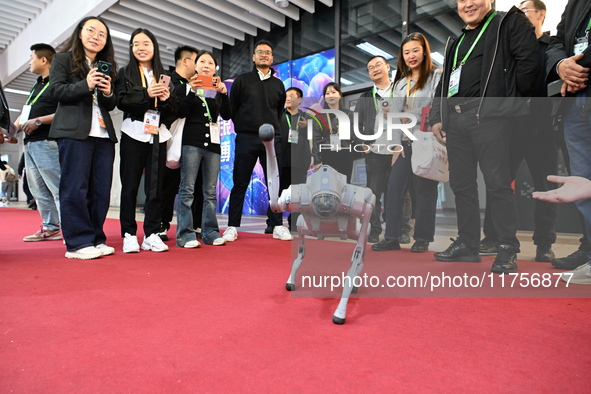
point(536, 142)
point(569, 59)
point(495, 58)
point(256, 98)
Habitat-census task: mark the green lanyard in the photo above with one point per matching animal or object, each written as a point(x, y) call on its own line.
point(375, 101)
point(37, 97)
point(288, 117)
point(588, 27)
point(206, 107)
point(473, 45)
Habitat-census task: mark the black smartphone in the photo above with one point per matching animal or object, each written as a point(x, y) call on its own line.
point(104, 67)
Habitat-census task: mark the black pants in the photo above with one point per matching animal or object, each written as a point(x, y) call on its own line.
point(377, 168)
point(170, 188)
point(485, 143)
point(249, 148)
point(540, 152)
point(136, 157)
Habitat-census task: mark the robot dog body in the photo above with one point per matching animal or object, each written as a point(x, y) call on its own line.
point(329, 207)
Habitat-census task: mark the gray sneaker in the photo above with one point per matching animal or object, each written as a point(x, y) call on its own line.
point(580, 276)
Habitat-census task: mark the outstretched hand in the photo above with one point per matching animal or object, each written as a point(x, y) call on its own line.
point(574, 188)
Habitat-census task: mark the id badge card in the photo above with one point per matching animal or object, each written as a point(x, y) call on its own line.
point(293, 136)
point(581, 45)
point(25, 114)
point(454, 82)
point(151, 121)
point(214, 133)
point(335, 143)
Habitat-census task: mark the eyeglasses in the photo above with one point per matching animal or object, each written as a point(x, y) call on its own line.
point(92, 31)
point(526, 10)
point(191, 59)
point(377, 65)
point(260, 52)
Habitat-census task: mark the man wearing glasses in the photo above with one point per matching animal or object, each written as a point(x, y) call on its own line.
point(378, 160)
point(256, 98)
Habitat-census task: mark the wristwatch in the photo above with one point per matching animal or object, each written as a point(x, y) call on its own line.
point(38, 122)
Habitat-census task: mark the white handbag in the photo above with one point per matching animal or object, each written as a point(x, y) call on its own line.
point(429, 157)
point(175, 143)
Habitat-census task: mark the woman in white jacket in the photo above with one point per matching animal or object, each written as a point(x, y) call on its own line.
point(414, 89)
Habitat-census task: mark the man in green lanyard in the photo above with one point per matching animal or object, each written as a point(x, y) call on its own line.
point(495, 58)
point(569, 59)
point(41, 152)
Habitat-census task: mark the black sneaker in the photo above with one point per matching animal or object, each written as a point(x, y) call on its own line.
point(373, 238)
point(544, 253)
point(420, 247)
point(488, 247)
point(386, 244)
point(269, 230)
point(405, 238)
point(506, 260)
point(572, 261)
point(458, 251)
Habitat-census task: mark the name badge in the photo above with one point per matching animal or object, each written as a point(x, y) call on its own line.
point(151, 121)
point(214, 133)
point(335, 143)
point(25, 114)
point(293, 136)
point(454, 82)
point(581, 45)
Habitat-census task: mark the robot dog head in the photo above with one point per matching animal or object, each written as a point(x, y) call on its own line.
point(326, 186)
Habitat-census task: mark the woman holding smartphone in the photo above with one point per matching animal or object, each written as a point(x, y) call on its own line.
point(148, 113)
point(200, 148)
point(85, 136)
point(414, 89)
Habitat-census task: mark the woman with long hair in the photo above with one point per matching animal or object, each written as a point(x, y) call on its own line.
point(85, 135)
point(200, 149)
point(414, 89)
point(148, 113)
point(328, 147)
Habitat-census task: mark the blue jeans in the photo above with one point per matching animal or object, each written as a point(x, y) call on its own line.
point(192, 158)
point(577, 133)
point(426, 200)
point(85, 189)
point(43, 174)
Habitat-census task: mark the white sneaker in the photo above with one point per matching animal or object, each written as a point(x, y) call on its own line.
point(282, 233)
point(105, 250)
point(154, 243)
point(87, 253)
point(230, 235)
point(192, 244)
point(130, 244)
point(218, 242)
point(580, 276)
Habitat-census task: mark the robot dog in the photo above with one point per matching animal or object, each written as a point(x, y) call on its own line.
point(329, 207)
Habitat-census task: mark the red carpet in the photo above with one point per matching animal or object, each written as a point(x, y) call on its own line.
point(218, 319)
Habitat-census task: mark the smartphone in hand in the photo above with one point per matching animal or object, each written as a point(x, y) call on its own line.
point(104, 67)
point(164, 80)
